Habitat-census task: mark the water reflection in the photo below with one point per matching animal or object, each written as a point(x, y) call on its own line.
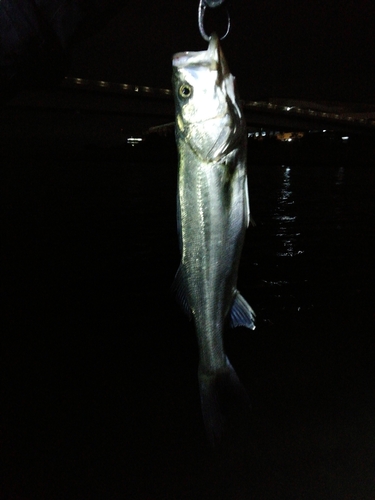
point(286, 216)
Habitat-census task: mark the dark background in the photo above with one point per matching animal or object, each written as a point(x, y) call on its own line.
point(321, 50)
point(99, 393)
point(307, 50)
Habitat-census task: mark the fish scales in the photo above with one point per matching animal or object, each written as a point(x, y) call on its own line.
point(212, 214)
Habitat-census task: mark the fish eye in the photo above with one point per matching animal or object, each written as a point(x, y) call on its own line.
point(185, 90)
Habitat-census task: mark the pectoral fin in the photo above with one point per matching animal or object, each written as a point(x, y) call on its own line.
point(241, 313)
point(178, 287)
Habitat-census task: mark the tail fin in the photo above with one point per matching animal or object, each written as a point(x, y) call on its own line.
point(222, 394)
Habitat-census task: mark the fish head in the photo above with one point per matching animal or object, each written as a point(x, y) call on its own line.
point(208, 112)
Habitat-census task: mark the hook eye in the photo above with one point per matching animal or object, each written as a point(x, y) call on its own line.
point(201, 10)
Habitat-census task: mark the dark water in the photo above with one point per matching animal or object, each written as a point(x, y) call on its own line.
point(99, 390)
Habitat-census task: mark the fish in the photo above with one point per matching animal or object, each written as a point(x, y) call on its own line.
point(212, 217)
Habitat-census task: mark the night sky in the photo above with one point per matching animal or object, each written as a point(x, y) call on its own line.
point(309, 50)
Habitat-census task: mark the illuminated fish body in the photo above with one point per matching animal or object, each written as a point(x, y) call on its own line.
point(213, 214)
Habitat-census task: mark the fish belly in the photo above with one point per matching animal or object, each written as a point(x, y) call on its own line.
point(212, 228)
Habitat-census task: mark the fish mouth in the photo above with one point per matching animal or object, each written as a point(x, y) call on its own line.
point(210, 57)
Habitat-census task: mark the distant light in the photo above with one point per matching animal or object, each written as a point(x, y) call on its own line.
point(256, 134)
point(345, 138)
point(134, 140)
point(324, 130)
point(136, 89)
point(264, 134)
point(290, 139)
point(103, 83)
point(78, 81)
point(125, 86)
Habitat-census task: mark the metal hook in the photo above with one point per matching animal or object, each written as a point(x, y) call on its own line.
point(201, 10)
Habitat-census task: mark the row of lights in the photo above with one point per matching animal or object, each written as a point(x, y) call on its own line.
point(269, 105)
point(117, 86)
point(285, 136)
point(308, 111)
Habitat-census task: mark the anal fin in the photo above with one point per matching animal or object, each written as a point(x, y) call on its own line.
point(241, 313)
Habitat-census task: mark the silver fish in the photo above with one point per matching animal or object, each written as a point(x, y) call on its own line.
point(213, 214)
